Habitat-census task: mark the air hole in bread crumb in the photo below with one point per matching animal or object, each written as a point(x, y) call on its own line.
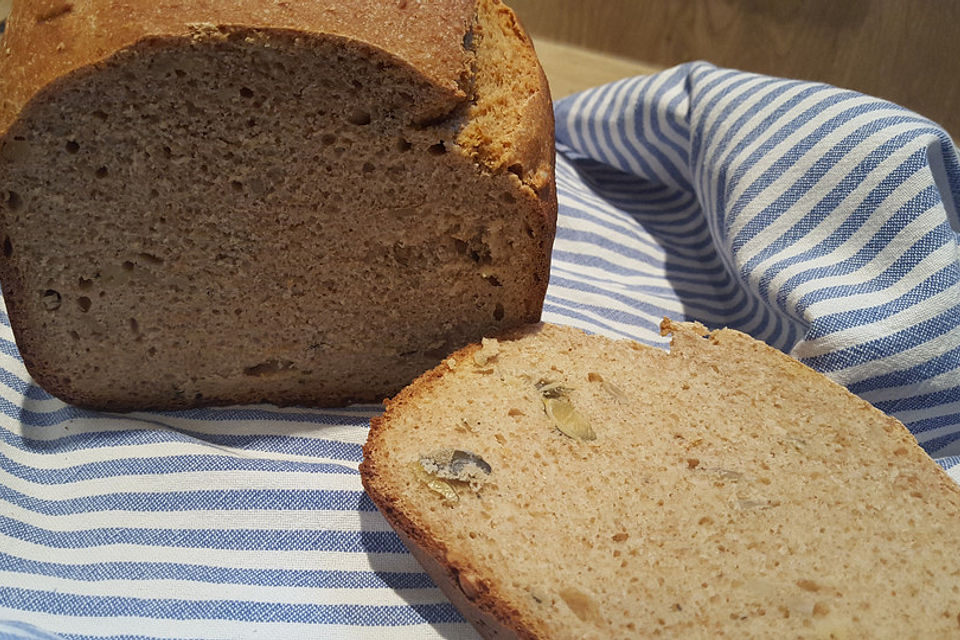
point(149, 258)
point(72, 146)
point(84, 303)
point(152, 351)
point(246, 92)
point(270, 367)
point(14, 202)
point(403, 145)
point(7, 247)
point(516, 169)
point(402, 254)
point(75, 335)
point(498, 312)
point(51, 300)
point(508, 198)
point(101, 172)
point(494, 282)
point(529, 231)
point(437, 149)
point(154, 193)
point(127, 265)
point(134, 325)
point(84, 284)
point(99, 115)
point(359, 117)
point(236, 185)
point(328, 138)
point(368, 167)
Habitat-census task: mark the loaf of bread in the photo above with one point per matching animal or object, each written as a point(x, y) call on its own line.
point(294, 202)
point(558, 485)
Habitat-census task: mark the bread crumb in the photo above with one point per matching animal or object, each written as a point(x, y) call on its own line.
point(488, 351)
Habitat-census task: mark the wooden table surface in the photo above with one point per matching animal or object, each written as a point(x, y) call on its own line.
point(570, 68)
point(904, 51)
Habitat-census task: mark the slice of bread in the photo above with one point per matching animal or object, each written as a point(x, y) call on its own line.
point(560, 485)
point(237, 201)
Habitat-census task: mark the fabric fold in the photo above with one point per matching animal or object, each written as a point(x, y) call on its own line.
point(832, 214)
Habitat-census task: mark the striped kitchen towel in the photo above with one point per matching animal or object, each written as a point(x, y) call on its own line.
point(820, 220)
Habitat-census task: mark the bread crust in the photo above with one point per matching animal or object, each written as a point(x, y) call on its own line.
point(532, 156)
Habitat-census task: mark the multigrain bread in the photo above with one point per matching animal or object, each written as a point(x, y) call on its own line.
point(294, 202)
point(721, 490)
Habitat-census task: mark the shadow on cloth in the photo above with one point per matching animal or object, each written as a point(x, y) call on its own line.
point(396, 567)
point(660, 231)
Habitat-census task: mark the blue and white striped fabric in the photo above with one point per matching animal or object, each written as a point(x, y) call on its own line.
point(820, 220)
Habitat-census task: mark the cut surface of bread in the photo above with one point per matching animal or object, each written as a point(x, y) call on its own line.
point(560, 485)
point(234, 202)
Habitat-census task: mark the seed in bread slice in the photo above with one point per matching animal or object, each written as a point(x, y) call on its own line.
point(727, 491)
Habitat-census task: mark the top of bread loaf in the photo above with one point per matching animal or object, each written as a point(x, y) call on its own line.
point(63, 36)
point(305, 202)
point(47, 41)
point(559, 485)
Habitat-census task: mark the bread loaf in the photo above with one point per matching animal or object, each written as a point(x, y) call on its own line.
point(558, 485)
point(294, 202)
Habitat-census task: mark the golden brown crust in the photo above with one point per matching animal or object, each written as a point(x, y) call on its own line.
point(510, 125)
point(49, 39)
point(507, 85)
